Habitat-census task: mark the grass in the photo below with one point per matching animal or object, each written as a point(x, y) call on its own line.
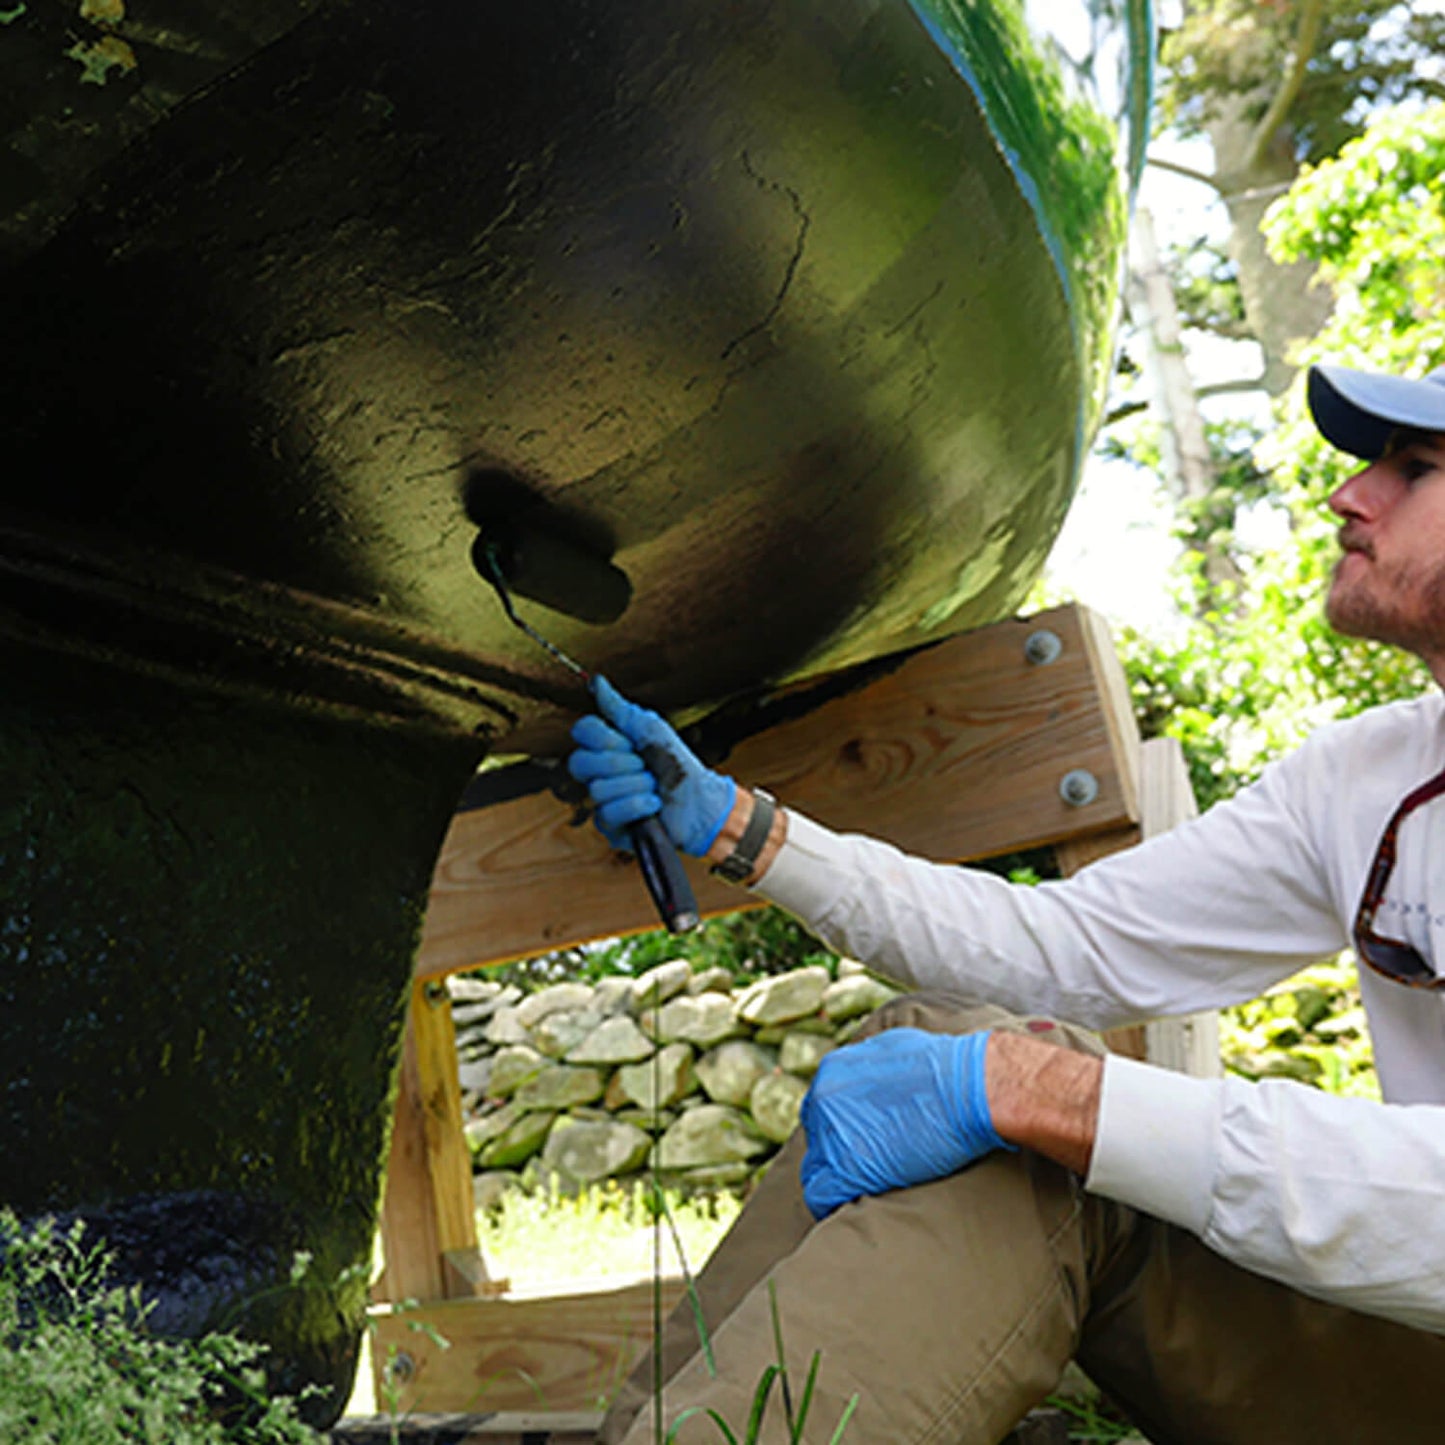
point(548, 1242)
point(79, 1367)
point(543, 1240)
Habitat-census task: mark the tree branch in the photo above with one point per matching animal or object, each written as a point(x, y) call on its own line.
point(1124, 409)
point(1258, 193)
point(1311, 20)
point(1188, 172)
point(1226, 388)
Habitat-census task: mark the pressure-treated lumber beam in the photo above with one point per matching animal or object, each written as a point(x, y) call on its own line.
point(958, 753)
point(428, 1220)
point(554, 1353)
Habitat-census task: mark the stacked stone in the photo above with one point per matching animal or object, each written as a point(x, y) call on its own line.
point(672, 1072)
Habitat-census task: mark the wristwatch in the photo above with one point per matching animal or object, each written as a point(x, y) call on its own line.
point(739, 865)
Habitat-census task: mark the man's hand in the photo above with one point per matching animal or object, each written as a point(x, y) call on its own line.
point(900, 1108)
point(634, 765)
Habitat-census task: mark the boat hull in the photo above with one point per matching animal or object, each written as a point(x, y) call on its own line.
point(797, 313)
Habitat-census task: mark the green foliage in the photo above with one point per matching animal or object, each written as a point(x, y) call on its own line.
point(750, 944)
point(1093, 1420)
point(1311, 1029)
point(1242, 686)
point(1206, 289)
point(79, 1367)
point(1368, 55)
point(1373, 218)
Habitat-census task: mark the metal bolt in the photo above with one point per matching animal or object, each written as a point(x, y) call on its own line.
point(1078, 787)
point(1043, 647)
point(435, 992)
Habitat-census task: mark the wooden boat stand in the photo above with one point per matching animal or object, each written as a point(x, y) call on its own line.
point(1015, 737)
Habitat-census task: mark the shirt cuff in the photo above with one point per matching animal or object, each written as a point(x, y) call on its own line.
point(803, 876)
point(1156, 1145)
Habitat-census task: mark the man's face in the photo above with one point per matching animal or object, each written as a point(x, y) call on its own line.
point(1390, 583)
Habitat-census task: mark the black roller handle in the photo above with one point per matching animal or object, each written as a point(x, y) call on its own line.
point(670, 887)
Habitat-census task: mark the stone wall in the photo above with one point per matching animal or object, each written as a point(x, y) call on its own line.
point(674, 1070)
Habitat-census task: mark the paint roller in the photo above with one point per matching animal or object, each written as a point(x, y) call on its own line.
point(544, 566)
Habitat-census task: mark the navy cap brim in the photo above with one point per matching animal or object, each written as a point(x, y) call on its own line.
point(1357, 411)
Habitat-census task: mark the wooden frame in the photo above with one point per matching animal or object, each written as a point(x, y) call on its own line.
point(428, 1219)
point(971, 719)
point(996, 719)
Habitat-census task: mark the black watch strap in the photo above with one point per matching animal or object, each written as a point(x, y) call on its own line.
point(738, 866)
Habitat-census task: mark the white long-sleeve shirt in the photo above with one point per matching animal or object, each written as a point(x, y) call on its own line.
point(1340, 1198)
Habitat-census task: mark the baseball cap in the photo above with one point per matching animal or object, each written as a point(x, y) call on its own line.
point(1357, 411)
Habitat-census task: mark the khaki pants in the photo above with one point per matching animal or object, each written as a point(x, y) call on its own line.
point(952, 1308)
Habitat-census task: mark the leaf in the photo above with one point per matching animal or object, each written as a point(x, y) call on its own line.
point(712, 1415)
point(760, 1403)
point(781, 1353)
point(843, 1420)
point(805, 1404)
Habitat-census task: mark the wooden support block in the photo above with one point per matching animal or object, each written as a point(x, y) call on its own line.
point(467, 1278)
point(559, 1352)
point(1076, 853)
point(427, 1211)
point(957, 753)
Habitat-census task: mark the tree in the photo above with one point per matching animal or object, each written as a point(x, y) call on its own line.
point(1273, 86)
point(1271, 89)
point(1369, 223)
point(1239, 689)
point(1268, 87)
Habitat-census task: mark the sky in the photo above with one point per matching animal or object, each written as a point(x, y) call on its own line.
point(1114, 553)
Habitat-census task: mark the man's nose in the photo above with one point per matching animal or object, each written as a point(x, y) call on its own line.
point(1360, 495)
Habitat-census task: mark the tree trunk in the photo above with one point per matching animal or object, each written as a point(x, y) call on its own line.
point(1186, 463)
point(1283, 305)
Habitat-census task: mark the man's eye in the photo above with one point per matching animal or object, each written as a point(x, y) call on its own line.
point(1414, 469)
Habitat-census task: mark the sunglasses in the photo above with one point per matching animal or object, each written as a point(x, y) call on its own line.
point(1391, 957)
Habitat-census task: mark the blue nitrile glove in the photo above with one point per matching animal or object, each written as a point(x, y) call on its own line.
point(635, 765)
point(899, 1108)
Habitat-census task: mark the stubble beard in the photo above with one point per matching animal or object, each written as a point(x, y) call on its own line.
point(1398, 608)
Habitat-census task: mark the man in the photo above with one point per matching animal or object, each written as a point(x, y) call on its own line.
point(976, 1205)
